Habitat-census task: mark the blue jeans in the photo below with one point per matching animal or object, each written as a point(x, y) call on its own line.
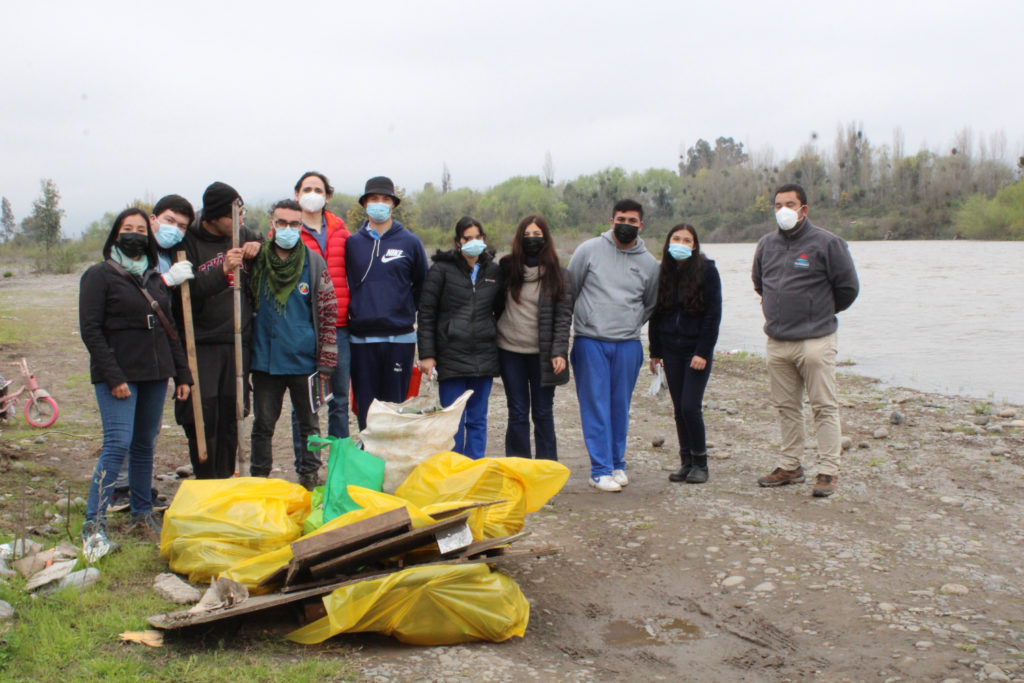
point(471, 439)
point(521, 375)
point(130, 427)
point(606, 374)
point(337, 411)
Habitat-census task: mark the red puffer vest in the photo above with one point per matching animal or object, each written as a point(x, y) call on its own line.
point(335, 257)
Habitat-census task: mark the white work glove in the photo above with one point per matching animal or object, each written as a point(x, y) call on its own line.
point(178, 273)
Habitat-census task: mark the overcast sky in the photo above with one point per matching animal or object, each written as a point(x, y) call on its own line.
point(124, 100)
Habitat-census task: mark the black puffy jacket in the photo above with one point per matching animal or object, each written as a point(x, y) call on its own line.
point(125, 339)
point(457, 324)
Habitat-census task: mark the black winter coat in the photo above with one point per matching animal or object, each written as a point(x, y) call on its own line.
point(457, 323)
point(554, 322)
point(125, 339)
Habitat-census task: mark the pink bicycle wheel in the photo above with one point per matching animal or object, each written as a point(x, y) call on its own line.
point(42, 412)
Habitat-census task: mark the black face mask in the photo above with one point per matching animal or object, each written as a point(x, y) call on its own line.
point(533, 245)
point(132, 244)
point(626, 233)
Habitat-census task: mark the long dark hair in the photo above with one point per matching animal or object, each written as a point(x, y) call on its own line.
point(116, 229)
point(551, 269)
point(681, 283)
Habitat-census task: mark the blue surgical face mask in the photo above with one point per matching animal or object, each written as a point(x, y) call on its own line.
point(168, 235)
point(286, 238)
point(474, 247)
point(680, 252)
point(378, 211)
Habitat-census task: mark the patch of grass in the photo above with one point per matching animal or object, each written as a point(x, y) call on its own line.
point(875, 462)
point(982, 408)
point(967, 647)
point(77, 380)
point(965, 430)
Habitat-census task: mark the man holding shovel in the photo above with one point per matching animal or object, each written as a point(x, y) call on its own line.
point(208, 245)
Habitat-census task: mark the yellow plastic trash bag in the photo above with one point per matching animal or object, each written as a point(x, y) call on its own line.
point(526, 485)
point(251, 570)
point(212, 524)
point(429, 605)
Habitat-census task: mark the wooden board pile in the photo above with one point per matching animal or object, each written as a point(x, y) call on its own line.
point(360, 551)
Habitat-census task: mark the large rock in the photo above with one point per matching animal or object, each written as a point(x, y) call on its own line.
point(170, 587)
point(6, 611)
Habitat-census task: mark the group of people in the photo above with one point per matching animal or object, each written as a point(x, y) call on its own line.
point(323, 306)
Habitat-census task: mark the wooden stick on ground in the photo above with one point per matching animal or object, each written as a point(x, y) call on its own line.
point(236, 228)
point(193, 366)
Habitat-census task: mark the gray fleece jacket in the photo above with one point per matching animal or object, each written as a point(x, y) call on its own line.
point(804, 278)
point(616, 289)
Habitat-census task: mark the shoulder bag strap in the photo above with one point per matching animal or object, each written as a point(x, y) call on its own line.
point(168, 328)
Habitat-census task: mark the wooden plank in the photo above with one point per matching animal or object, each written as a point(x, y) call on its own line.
point(346, 538)
point(311, 548)
point(469, 506)
point(381, 550)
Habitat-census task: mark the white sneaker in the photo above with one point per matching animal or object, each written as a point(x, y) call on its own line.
point(605, 483)
point(620, 478)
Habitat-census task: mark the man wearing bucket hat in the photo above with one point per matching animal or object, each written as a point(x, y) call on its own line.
point(207, 245)
point(386, 265)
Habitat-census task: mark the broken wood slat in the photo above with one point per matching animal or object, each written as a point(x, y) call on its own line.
point(389, 547)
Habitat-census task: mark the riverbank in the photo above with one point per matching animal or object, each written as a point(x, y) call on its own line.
point(911, 571)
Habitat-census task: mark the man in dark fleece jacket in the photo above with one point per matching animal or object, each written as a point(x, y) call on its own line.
point(208, 247)
point(805, 275)
point(385, 265)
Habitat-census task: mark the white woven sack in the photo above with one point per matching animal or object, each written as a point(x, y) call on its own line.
point(404, 437)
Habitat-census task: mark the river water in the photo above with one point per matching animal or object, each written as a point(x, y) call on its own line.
point(935, 316)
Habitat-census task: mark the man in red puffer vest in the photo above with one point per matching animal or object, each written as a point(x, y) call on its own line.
point(325, 234)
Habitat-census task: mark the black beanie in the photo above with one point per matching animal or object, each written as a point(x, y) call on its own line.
point(217, 200)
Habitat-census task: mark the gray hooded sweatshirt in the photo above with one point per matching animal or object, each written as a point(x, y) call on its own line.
point(617, 289)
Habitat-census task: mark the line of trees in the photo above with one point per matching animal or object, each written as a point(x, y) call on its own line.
point(858, 189)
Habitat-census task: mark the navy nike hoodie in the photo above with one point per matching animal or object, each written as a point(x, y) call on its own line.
point(385, 278)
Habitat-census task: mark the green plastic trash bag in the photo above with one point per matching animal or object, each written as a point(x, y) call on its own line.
point(347, 464)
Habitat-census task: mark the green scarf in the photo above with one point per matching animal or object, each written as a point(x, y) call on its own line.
point(276, 274)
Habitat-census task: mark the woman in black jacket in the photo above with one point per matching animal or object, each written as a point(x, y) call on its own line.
point(456, 329)
point(133, 349)
point(533, 337)
point(683, 332)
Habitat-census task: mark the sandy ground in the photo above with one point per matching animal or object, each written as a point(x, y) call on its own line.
point(910, 572)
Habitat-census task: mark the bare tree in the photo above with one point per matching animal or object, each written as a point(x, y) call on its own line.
point(6, 220)
point(549, 169)
point(446, 180)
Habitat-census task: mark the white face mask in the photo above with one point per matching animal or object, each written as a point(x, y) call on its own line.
point(312, 202)
point(787, 218)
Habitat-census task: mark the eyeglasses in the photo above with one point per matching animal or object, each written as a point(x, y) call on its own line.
point(282, 223)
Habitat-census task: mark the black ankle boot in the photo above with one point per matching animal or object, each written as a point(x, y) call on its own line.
point(686, 460)
point(699, 472)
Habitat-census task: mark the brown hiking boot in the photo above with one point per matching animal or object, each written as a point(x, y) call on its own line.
point(825, 486)
point(781, 477)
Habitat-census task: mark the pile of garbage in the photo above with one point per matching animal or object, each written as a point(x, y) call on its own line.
point(404, 539)
point(45, 570)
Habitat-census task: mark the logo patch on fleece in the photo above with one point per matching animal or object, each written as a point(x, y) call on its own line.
point(303, 288)
point(802, 262)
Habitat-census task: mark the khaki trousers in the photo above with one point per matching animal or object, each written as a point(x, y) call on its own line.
point(792, 367)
